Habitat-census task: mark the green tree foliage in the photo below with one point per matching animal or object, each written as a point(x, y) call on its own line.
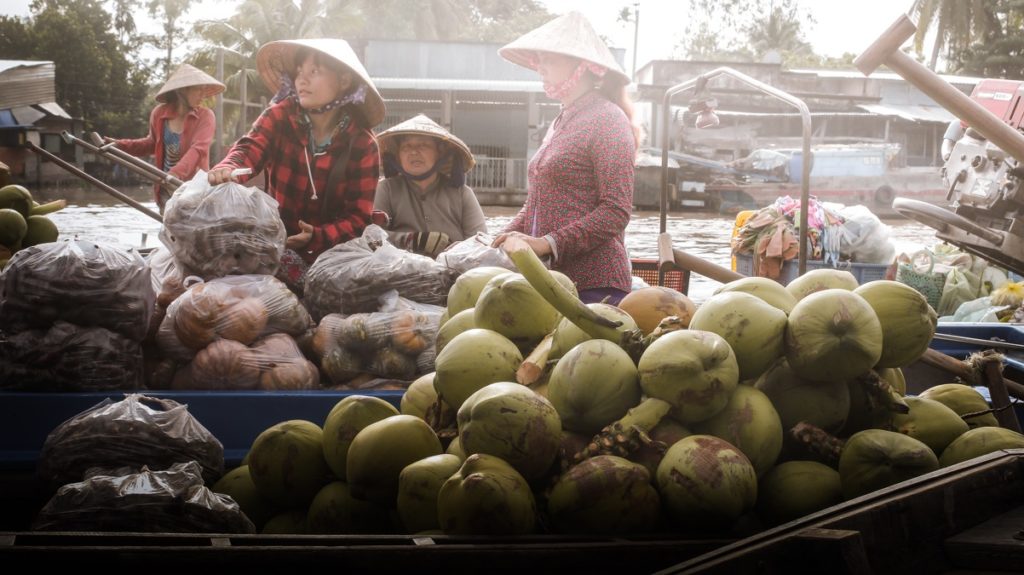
point(999, 52)
point(170, 13)
point(95, 80)
point(451, 20)
point(16, 39)
point(745, 31)
point(957, 23)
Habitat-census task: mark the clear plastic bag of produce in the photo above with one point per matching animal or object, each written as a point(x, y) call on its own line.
point(273, 362)
point(242, 308)
point(137, 431)
point(68, 357)
point(474, 252)
point(167, 278)
point(397, 343)
point(864, 238)
point(350, 277)
point(215, 231)
point(88, 284)
point(146, 501)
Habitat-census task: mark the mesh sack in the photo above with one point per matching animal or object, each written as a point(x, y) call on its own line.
point(85, 283)
point(145, 501)
point(241, 308)
point(68, 357)
point(223, 230)
point(136, 431)
point(350, 277)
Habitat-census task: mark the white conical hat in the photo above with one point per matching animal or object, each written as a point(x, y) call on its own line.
point(276, 58)
point(423, 126)
point(570, 34)
point(187, 75)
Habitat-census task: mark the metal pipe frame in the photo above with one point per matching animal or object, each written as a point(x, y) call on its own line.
point(805, 117)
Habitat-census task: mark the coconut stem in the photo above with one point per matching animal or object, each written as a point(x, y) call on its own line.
point(818, 442)
point(533, 367)
point(881, 394)
point(570, 306)
point(629, 433)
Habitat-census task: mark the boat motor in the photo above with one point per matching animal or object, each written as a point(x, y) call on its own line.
point(984, 173)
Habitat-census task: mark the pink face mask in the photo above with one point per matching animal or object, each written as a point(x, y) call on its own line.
point(559, 91)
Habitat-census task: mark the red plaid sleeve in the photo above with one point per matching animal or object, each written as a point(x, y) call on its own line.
point(250, 150)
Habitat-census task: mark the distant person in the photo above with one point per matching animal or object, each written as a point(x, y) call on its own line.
point(315, 143)
point(180, 128)
point(425, 193)
point(580, 194)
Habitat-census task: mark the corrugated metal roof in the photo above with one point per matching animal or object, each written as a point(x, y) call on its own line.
point(459, 84)
point(8, 64)
point(911, 113)
point(882, 75)
point(24, 83)
point(53, 109)
point(27, 114)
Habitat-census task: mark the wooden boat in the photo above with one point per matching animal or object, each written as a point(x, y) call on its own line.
point(965, 518)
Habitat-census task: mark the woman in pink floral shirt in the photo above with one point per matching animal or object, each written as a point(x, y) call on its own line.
point(581, 179)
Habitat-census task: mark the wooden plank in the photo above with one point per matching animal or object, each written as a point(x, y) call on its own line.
point(995, 544)
point(903, 526)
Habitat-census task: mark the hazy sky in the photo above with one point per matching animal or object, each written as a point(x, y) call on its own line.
point(841, 26)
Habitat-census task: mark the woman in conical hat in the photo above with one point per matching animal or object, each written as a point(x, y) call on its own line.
point(424, 193)
point(315, 144)
point(180, 128)
point(580, 194)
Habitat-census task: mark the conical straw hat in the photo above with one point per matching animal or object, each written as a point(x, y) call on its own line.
point(424, 126)
point(570, 34)
point(187, 75)
point(276, 58)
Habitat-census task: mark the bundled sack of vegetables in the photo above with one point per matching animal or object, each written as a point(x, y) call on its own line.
point(67, 357)
point(351, 277)
point(145, 501)
point(242, 308)
point(215, 231)
point(274, 362)
point(136, 431)
point(88, 284)
point(395, 343)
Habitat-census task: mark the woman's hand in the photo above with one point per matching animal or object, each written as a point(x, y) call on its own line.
point(221, 175)
point(514, 241)
point(301, 239)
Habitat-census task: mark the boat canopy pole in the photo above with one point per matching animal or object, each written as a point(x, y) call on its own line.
point(805, 117)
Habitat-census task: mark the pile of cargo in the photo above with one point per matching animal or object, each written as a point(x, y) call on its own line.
point(762, 405)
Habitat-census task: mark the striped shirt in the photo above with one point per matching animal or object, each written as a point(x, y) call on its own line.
point(581, 192)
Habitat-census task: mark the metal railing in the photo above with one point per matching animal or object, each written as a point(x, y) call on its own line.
point(498, 174)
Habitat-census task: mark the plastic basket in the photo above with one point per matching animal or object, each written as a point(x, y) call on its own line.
point(647, 270)
point(863, 272)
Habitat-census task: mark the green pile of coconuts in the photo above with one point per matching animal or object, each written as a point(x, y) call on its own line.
point(762, 405)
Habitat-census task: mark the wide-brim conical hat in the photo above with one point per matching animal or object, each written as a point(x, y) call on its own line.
point(187, 75)
point(570, 34)
point(278, 57)
point(424, 126)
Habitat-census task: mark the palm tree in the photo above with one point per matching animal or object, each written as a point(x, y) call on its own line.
point(781, 32)
point(956, 22)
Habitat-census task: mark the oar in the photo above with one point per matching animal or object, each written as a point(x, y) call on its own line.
point(120, 157)
point(110, 149)
point(74, 170)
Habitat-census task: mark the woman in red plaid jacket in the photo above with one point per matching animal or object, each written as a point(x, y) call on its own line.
point(315, 143)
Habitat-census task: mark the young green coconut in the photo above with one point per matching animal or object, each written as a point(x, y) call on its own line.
point(629, 433)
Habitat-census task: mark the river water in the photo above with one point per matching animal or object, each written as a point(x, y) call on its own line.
point(94, 215)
